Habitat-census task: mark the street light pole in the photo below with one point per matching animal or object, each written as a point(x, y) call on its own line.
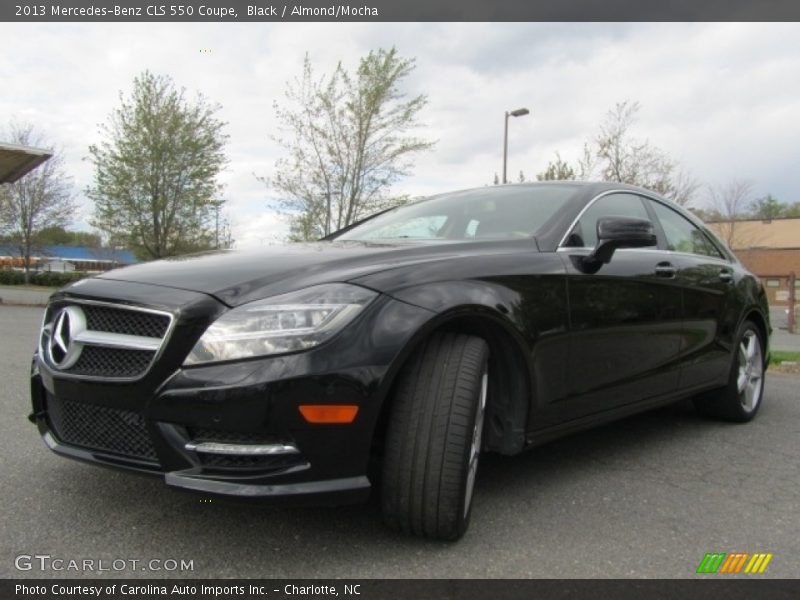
point(520, 112)
point(505, 149)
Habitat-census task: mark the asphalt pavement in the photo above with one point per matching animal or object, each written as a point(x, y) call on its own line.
point(20, 295)
point(645, 497)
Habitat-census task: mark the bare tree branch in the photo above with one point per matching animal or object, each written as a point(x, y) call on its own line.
point(615, 155)
point(41, 199)
point(731, 201)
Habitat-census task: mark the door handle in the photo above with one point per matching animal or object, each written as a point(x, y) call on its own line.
point(726, 276)
point(665, 269)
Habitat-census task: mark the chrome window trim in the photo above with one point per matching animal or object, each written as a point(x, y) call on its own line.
point(81, 301)
point(666, 252)
point(561, 246)
point(723, 256)
point(587, 207)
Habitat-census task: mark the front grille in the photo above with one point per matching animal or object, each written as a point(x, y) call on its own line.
point(111, 362)
point(129, 322)
point(94, 427)
point(120, 358)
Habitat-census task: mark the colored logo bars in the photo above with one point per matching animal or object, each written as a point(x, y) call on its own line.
point(736, 562)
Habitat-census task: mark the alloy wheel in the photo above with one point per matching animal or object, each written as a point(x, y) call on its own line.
point(751, 371)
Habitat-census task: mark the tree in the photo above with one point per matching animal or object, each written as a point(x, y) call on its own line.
point(709, 215)
point(223, 233)
point(155, 181)
point(57, 235)
point(348, 138)
point(617, 156)
point(730, 200)
point(557, 170)
point(41, 199)
point(769, 207)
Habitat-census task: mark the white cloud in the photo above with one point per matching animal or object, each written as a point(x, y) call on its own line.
point(721, 97)
point(263, 229)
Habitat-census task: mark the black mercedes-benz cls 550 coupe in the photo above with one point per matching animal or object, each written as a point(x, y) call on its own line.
point(394, 352)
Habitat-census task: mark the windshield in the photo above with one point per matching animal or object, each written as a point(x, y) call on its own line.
point(491, 213)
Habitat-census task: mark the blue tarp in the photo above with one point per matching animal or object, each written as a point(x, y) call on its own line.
point(125, 257)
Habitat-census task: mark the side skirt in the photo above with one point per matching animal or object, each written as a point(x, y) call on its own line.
point(542, 436)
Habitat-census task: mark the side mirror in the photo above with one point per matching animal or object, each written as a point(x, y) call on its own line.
point(614, 233)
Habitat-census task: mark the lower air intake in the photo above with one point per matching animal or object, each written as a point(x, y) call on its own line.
point(111, 430)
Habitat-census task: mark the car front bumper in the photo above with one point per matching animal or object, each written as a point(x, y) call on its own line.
point(156, 426)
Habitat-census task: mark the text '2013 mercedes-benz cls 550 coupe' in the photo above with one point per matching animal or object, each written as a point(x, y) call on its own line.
point(394, 352)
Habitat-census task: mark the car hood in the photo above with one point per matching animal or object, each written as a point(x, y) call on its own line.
point(239, 276)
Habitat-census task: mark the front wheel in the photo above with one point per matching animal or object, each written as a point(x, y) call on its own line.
point(741, 398)
point(434, 438)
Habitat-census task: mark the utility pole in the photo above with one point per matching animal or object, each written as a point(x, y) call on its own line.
point(792, 288)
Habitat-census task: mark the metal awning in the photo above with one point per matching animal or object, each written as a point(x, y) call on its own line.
point(16, 161)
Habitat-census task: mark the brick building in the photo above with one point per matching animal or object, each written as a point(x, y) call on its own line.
point(770, 249)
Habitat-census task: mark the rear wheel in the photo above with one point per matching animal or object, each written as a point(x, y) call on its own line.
point(434, 437)
point(741, 398)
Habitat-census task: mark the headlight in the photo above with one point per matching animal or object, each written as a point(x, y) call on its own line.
point(286, 323)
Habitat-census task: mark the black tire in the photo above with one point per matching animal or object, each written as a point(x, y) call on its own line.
point(439, 399)
point(733, 402)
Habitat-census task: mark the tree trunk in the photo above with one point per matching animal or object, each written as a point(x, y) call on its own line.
point(26, 260)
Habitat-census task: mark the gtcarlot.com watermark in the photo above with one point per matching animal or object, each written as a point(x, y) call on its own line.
point(48, 563)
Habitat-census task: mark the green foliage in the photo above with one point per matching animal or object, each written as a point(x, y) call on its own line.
point(770, 207)
point(305, 226)
point(557, 170)
point(47, 279)
point(776, 357)
point(348, 138)
point(56, 235)
point(155, 181)
point(12, 277)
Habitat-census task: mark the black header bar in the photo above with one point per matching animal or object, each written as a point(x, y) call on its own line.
point(707, 588)
point(268, 11)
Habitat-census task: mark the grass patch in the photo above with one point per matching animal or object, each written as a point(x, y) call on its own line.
point(776, 357)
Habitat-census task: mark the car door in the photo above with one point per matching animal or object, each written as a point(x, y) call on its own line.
point(625, 319)
point(710, 314)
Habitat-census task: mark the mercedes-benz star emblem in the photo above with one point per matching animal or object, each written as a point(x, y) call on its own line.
point(63, 349)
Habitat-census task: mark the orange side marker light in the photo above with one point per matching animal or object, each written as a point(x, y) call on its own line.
point(329, 413)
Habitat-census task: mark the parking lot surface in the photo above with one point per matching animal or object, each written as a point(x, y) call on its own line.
point(643, 497)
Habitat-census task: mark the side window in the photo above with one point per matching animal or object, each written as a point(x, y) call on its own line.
point(584, 234)
point(682, 235)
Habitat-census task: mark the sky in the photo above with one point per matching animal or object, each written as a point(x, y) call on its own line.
point(723, 99)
